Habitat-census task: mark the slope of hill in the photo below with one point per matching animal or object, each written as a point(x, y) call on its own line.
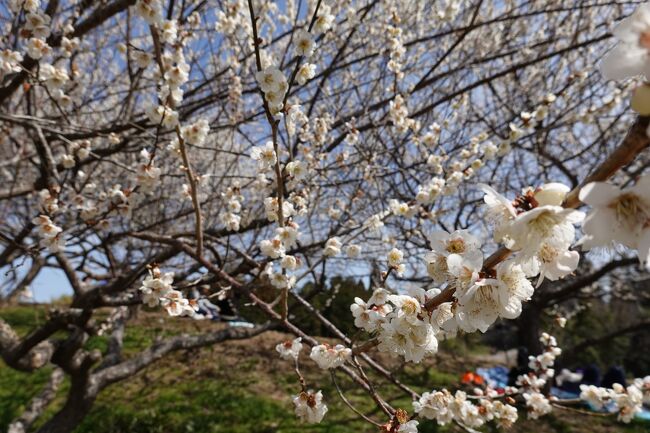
point(243, 387)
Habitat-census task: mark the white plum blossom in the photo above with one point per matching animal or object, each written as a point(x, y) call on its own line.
point(288, 234)
point(168, 31)
point(48, 201)
point(273, 248)
point(594, 395)
point(332, 247)
point(435, 405)
point(265, 156)
point(537, 404)
point(142, 58)
point(499, 212)
point(379, 297)
point(548, 223)
point(196, 133)
point(402, 334)
point(644, 386)
point(459, 248)
point(395, 257)
point(551, 262)
point(309, 406)
point(150, 10)
point(270, 79)
point(368, 316)
point(489, 298)
point(290, 349)
point(406, 307)
point(271, 208)
point(9, 62)
point(54, 77)
point(324, 20)
point(628, 401)
point(67, 161)
point(289, 262)
point(631, 56)
point(175, 304)
point(328, 357)
point(37, 48)
point(163, 115)
point(38, 24)
point(538, 227)
point(281, 280)
point(296, 170)
point(306, 72)
point(51, 235)
point(504, 414)
point(409, 427)
point(147, 175)
point(353, 251)
point(304, 43)
point(618, 216)
point(156, 286)
point(274, 85)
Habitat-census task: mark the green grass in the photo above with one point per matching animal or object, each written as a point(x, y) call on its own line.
point(223, 390)
point(16, 389)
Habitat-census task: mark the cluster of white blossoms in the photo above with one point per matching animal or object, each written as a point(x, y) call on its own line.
point(174, 70)
point(157, 290)
point(332, 247)
point(147, 175)
point(274, 85)
point(172, 74)
point(621, 216)
point(328, 357)
point(399, 115)
point(55, 79)
point(452, 170)
point(531, 384)
point(627, 402)
point(285, 239)
point(231, 217)
point(51, 235)
point(48, 201)
point(445, 407)
point(119, 199)
point(309, 406)
point(456, 261)
point(395, 46)
point(36, 28)
point(448, 9)
point(487, 404)
point(401, 322)
point(536, 226)
point(306, 72)
point(9, 62)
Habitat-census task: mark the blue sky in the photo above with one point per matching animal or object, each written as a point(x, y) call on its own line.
point(50, 283)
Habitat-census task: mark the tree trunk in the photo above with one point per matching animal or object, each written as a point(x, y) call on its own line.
point(80, 401)
point(529, 328)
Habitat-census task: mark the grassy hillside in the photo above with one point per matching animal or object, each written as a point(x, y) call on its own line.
point(241, 387)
